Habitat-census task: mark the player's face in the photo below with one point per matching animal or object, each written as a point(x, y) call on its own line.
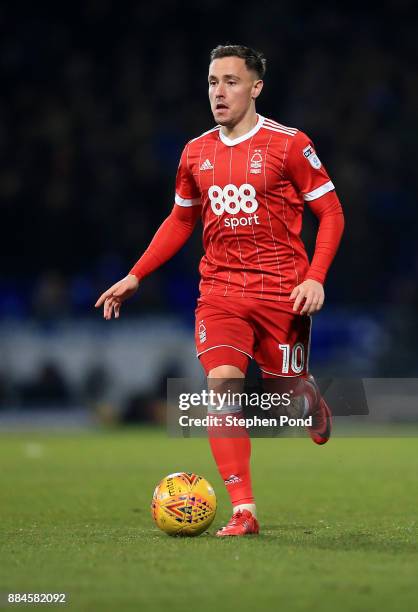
point(232, 89)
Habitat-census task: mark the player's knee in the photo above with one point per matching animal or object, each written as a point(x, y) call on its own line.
point(225, 372)
point(226, 379)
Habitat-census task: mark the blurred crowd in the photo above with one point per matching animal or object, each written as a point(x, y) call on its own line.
point(98, 99)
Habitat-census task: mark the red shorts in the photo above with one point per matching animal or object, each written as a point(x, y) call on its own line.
point(230, 331)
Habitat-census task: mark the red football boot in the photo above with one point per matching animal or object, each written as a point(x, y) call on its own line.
point(242, 523)
point(320, 430)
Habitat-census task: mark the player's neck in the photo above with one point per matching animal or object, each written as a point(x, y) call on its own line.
point(245, 125)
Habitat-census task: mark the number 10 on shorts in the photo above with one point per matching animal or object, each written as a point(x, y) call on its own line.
point(293, 358)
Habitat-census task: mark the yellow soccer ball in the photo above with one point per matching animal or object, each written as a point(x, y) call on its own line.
point(183, 504)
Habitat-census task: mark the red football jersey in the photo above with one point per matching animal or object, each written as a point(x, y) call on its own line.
point(252, 191)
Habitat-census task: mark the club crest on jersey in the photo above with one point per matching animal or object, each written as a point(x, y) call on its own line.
point(256, 162)
point(312, 157)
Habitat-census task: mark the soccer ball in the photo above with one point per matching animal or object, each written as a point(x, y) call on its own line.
point(183, 504)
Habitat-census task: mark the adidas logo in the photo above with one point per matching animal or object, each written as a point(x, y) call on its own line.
point(206, 165)
point(232, 480)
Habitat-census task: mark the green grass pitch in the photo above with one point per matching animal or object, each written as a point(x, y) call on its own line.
point(339, 525)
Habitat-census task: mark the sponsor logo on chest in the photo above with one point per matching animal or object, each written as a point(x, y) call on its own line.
point(239, 202)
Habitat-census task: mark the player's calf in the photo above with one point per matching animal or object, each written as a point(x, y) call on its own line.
point(307, 401)
point(316, 407)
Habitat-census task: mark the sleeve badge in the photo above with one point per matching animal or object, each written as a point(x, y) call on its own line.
point(312, 157)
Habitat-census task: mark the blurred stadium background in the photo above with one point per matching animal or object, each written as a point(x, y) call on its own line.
point(97, 102)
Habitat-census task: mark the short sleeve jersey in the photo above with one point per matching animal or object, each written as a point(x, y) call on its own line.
point(251, 191)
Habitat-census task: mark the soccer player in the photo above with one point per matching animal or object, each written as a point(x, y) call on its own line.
point(248, 179)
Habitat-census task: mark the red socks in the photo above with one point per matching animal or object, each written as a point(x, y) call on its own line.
point(231, 449)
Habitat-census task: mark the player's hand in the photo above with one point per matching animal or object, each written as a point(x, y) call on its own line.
point(116, 294)
point(312, 293)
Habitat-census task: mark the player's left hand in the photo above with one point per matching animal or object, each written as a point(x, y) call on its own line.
point(312, 293)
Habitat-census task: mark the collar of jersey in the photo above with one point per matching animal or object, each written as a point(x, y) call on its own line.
point(230, 142)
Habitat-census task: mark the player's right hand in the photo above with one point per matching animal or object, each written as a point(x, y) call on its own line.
point(116, 294)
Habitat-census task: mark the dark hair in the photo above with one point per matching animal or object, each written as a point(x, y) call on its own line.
point(254, 60)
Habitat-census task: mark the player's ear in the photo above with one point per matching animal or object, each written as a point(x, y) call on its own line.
point(257, 87)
